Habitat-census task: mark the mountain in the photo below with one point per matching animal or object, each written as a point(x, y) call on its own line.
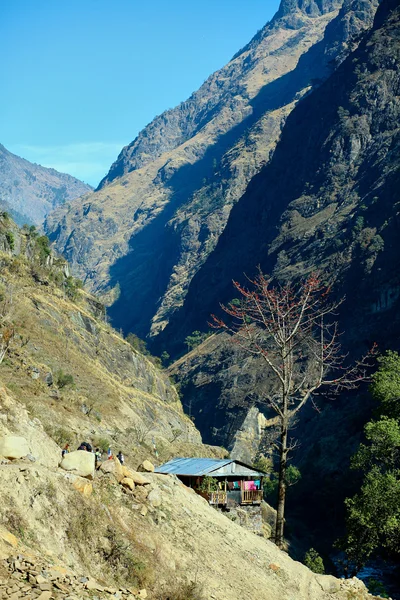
point(327, 199)
point(143, 235)
point(29, 192)
point(328, 202)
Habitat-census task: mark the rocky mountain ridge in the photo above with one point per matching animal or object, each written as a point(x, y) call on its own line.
point(144, 234)
point(335, 211)
point(29, 191)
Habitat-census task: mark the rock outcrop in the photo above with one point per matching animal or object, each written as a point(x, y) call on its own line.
point(29, 192)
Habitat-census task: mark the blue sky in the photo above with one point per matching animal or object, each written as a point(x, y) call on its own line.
point(80, 78)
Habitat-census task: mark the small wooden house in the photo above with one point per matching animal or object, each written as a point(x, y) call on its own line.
point(225, 483)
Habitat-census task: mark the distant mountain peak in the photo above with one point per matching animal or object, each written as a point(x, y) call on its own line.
point(29, 191)
point(311, 8)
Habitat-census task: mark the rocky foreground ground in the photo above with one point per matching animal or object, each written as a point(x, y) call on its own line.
point(33, 579)
point(124, 534)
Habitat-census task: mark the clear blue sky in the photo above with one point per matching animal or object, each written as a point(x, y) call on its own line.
point(80, 78)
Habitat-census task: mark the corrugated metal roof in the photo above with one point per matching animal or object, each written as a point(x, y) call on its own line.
point(197, 467)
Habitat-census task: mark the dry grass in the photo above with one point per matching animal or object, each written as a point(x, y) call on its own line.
point(181, 589)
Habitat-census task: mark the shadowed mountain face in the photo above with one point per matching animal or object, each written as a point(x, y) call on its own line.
point(159, 213)
point(326, 201)
point(29, 192)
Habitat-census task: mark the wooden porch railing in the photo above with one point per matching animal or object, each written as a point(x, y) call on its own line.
point(217, 498)
point(251, 496)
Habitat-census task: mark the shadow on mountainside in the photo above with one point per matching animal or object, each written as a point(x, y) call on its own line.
point(143, 274)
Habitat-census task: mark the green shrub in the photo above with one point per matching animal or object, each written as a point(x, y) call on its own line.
point(314, 562)
point(137, 343)
point(208, 484)
point(60, 435)
point(71, 287)
point(64, 379)
point(102, 443)
point(195, 339)
point(10, 239)
point(165, 357)
point(376, 588)
point(43, 246)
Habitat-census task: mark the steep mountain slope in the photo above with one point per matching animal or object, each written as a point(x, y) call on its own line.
point(29, 192)
point(328, 198)
point(71, 369)
point(160, 211)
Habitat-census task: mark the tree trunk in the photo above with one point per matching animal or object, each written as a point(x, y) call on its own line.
point(280, 514)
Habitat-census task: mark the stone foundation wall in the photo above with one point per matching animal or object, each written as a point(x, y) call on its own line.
point(249, 517)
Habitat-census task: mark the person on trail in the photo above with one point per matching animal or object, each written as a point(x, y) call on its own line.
point(97, 456)
point(65, 450)
point(109, 453)
point(82, 446)
point(121, 457)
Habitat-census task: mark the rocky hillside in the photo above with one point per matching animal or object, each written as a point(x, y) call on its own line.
point(29, 192)
point(159, 213)
point(70, 369)
point(66, 536)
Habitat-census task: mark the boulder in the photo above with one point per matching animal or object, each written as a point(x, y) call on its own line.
point(154, 498)
point(146, 467)
point(137, 478)
point(141, 493)
point(8, 538)
point(128, 482)
point(113, 467)
point(83, 486)
point(13, 446)
point(80, 462)
point(93, 585)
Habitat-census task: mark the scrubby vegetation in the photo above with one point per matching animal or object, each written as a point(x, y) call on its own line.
point(313, 561)
point(373, 514)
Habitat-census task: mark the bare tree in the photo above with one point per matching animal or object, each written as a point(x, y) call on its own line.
point(291, 329)
point(140, 432)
